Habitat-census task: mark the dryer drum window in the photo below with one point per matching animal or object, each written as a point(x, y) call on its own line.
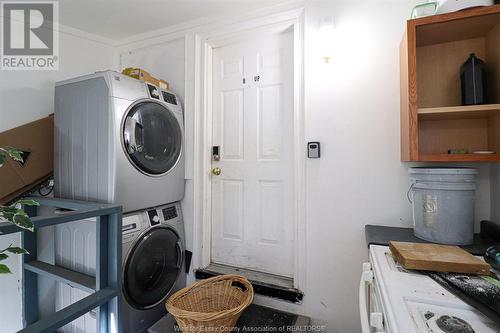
point(152, 268)
point(152, 138)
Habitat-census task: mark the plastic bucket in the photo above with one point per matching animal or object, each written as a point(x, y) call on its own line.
point(443, 202)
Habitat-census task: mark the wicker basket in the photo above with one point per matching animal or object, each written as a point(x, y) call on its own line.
point(211, 305)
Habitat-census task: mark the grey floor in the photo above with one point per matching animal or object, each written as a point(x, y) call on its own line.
point(254, 318)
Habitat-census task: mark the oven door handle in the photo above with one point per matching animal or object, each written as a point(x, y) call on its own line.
point(365, 281)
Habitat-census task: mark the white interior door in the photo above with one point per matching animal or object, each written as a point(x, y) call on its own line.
point(252, 199)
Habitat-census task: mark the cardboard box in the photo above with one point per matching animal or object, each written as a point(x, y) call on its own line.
point(141, 74)
point(146, 77)
point(36, 140)
point(164, 85)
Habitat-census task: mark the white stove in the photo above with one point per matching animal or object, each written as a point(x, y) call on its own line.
point(395, 300)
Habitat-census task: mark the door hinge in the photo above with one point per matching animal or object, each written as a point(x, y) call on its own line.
point(256, 78)
point(244, 80)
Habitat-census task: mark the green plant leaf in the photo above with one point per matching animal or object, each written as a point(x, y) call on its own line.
point(27, 202)
point(7, 212)
point(3, 256)
point(2, 159)
point(21, 212)
point(8, 209)
point(23, 221)
point(10, 212)
point(16, 250)
point(15, 154)
point(4, 269)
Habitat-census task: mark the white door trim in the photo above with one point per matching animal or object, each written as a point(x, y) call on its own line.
point(204, 43)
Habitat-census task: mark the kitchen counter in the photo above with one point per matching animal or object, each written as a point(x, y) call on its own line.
point(381, 235)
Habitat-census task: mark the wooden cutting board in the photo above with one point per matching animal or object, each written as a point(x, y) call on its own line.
point(439, 258)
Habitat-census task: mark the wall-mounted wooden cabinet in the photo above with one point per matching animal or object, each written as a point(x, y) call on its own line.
point(433, 121)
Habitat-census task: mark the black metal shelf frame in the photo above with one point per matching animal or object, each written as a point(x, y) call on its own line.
point(105, 287)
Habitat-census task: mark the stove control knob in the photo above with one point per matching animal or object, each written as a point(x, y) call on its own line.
point(377, 320)
point(367, 272)
point(367, 266)
point(368, 276)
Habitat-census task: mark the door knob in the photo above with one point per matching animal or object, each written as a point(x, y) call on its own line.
point(216, 171)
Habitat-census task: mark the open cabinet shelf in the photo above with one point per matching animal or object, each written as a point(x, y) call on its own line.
point(459, 112)
point(460, 158)
point(432, 53)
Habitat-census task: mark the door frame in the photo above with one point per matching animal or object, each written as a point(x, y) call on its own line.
point(204, 44)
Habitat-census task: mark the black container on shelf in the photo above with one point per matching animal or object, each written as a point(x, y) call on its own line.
point(473, 80)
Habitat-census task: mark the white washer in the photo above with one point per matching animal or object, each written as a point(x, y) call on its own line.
point(153, 264)
point(118, 140)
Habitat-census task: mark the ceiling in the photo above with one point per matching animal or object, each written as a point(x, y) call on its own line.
point(119, 19)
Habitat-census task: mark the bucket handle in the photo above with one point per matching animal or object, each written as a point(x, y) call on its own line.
point(410, 199)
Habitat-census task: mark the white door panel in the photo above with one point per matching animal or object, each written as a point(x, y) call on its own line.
point(252, 200)
point(232, 124)
point(270, 115)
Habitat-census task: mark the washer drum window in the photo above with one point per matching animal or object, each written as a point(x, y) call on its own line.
point(152, 138)
point(152, 268)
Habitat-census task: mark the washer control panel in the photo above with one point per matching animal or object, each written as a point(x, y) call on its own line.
point(131, 225)
point(164, 214)
point(137, 222)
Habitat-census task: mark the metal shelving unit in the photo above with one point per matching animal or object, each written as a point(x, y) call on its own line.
point(105, 286)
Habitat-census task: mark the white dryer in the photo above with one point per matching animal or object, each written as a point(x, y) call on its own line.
point(118, 140)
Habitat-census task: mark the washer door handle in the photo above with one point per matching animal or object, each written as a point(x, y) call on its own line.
point(130, 128)
point(179, 254)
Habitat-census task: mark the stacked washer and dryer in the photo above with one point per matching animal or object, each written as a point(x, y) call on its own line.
point(120, 140)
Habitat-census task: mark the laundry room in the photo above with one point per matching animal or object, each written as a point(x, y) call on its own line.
point(360, 192)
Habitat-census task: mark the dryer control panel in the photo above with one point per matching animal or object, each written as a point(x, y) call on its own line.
point(169, 213)
point(154, 219)
point(153, 91)
point(169, 98)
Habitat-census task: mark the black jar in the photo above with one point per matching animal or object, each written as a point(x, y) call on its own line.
point(473, 80)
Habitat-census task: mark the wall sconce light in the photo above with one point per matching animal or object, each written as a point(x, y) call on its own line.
point(326, 34)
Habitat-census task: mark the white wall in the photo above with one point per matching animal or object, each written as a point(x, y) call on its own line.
point(29, 95)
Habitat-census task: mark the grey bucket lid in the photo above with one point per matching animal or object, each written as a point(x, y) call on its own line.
point(443, 171)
